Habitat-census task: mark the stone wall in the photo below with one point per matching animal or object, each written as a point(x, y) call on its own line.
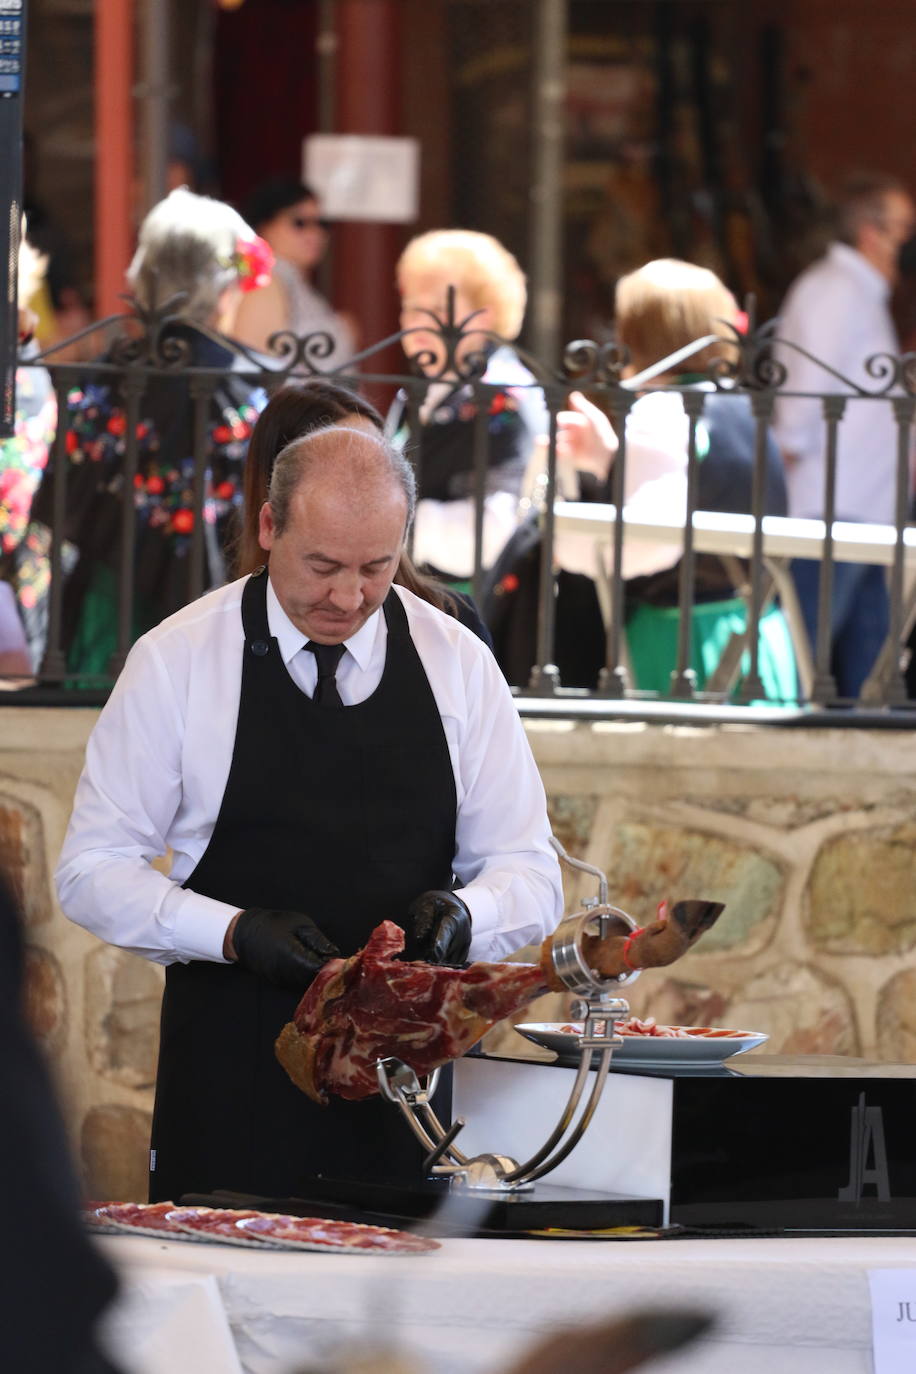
point(94, 1008)
point(807, 835)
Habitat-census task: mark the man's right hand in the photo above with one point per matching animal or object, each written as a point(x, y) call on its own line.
point(285, 947)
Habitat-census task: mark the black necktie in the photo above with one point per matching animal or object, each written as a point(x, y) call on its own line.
point(327, 657)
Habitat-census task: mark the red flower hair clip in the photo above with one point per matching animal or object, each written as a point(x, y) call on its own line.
point(253, 261)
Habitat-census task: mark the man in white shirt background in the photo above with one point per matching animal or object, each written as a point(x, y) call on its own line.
point(838, 310)
point(320, 751)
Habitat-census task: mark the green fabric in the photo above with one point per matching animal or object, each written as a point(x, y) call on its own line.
point(96, 636)
point(652, 641)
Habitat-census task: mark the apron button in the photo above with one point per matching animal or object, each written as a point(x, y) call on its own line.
point(259, 648)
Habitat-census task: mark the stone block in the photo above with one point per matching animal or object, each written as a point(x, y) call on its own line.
point(862, 892)
point(779, 812)
point(45, 998)
point(800, 1008)
point(674, 1002)
point(896, 1019)
point(22, 858)
point(571, 819)
point(123, 999)
point(114, 1145)
point(651, 862)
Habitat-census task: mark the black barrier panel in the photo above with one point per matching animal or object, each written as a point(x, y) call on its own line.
point(12, 80)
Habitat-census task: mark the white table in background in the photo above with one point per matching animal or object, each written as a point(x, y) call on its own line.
point(583, 543)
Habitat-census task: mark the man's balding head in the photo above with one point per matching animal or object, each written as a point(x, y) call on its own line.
point(356, 463)
point(334, 525)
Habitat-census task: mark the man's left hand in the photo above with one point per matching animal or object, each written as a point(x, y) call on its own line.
point(438, 929)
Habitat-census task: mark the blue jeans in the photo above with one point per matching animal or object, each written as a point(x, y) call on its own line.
point(860, 617)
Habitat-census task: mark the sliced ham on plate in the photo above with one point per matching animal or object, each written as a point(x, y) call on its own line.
point(140, 1218)
point(216, 1224)
point(318, 1233)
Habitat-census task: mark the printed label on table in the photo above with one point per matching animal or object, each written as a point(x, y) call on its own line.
point(893, 1319)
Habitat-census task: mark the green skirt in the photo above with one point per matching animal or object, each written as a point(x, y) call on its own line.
point(95, 636)
point(652, 642)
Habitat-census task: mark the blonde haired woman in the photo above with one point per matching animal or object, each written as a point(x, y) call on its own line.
point(489, 285)
point(660, 310)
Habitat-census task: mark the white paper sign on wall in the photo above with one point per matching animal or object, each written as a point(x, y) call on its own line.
point(893, 1319)
point(364, 176)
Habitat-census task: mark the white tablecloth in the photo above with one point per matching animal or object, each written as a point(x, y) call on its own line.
point(796, 1306)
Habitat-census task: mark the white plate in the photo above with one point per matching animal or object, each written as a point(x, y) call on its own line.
point(656, 1050)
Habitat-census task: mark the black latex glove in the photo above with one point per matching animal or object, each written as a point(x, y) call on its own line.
point(283, 946)
point(438, 929)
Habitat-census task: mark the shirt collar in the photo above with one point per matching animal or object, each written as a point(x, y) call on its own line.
point(291, 640)
point(852, 259)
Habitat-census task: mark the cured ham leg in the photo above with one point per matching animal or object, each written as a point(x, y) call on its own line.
point(375, 1006)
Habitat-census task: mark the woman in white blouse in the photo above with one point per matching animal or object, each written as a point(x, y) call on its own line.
point(662, 308)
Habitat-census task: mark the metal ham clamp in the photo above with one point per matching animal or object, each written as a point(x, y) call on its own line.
point(598, 1006)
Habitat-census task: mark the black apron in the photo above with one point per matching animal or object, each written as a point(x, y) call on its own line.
point(346, 815)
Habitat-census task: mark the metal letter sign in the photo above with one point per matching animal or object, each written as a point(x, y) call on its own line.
point(867, 1154)
point(12, 74)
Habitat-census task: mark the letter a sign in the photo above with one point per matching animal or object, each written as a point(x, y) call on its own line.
point(867, 1156)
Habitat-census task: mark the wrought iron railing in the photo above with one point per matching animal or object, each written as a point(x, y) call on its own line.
point(139, 348)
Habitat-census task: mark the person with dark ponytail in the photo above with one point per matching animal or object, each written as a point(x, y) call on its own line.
point(296, 410)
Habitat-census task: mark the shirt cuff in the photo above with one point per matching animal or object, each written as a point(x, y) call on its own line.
point(481, 903)
point(200, 927)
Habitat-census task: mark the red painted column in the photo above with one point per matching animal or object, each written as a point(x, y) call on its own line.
point(114, 64)
point(368, 102)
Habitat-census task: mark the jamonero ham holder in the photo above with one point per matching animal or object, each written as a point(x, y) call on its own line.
point(375, 1024)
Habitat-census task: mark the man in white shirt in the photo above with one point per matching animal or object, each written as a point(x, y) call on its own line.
point(320, 751)
point(838, 311)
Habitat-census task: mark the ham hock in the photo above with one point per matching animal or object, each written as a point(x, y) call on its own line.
point(374, 1005)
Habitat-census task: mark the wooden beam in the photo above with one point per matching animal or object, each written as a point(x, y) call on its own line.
point(114, 162)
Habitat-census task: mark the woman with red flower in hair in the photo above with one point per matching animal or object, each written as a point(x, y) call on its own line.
point(199, 257)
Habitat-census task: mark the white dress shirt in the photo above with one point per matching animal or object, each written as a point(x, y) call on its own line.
point(655, 487)
point(838, 311)
point(158, 760)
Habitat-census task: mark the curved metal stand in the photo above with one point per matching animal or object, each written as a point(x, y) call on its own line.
point(598, 1008)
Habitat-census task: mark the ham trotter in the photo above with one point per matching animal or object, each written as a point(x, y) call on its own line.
point(375, 1006)
point(623, 951)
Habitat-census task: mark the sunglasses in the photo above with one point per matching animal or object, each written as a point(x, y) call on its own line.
point(309, 222)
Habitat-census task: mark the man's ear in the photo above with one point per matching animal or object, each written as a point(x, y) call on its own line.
point(266, 529)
